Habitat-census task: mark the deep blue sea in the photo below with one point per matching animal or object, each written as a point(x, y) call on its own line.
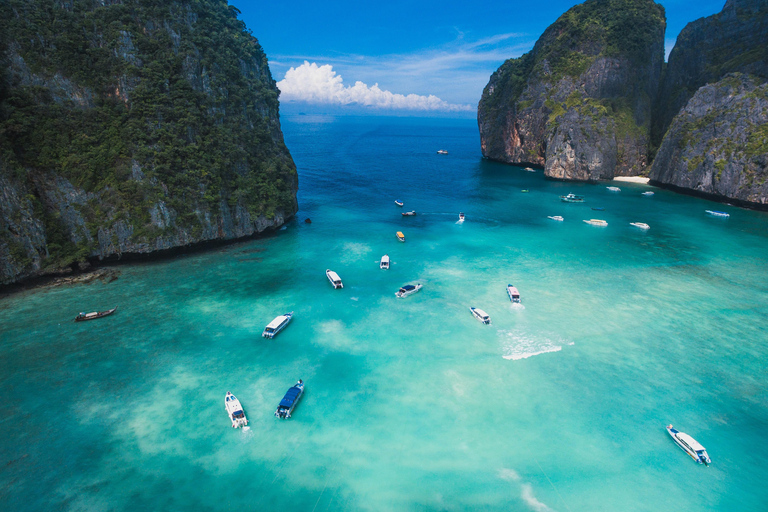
point(411, 404)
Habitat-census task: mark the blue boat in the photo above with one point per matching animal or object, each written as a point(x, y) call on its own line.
point(289, 401)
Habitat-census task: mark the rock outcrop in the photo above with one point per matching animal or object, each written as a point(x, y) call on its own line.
point(718, 144)
point(132, 127)
point(707, 49)
point(579, 104)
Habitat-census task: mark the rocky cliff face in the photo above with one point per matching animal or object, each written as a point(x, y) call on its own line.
point(579, 104)
point(707, 49)
point(131, 127)
point(718, 143)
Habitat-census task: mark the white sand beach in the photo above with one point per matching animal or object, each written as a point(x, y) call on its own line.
point(632, 179)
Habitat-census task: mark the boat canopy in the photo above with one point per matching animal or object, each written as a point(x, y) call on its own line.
point(333, 275)
point(400, 234)
point(290, 397)
point(238, 414)
point(408, 287)
point(274, 324)
point(513, 291)
point(691, 442)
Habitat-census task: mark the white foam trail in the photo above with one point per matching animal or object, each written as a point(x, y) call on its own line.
point(520, 345)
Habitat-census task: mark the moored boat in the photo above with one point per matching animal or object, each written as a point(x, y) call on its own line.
point(409, 214)
point(556, 217)
point(461, 216)
point(647, 193)
point(718, 214)
point(384, 263)
point(514, 295)
point(481, 315)
point(277, 325)
point(334, 278)
point(81, 317)
point(400, 236)
point(442, 152)
point(398, 203)
point(524, 191)
point(235, 410)
point(689, 445)
point(596, 222)
point(641, 225)
point(572, 198)
point(289, 401)
point(408, 289)
point(614, 189)
point(529, 169)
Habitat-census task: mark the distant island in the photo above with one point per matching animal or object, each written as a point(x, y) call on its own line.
point(131, 128)
point(594, 100)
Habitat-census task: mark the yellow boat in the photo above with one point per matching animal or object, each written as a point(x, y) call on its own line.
point(400, 236)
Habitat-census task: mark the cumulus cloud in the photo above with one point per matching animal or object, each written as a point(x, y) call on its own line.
point(321, 84)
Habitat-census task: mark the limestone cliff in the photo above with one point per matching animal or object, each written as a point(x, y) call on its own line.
point(579, 104)
point(133, 126)
point(718, 144)
point(707, 49)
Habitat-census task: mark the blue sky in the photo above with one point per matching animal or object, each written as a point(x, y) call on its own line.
point(419, 56)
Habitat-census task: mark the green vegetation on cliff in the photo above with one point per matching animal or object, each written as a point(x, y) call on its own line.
point(139, 102)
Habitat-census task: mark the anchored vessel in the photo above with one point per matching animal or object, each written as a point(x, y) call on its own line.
point(384, 263)
point(555, 217)
point(408, 289)
point(572, 198)
point(334, 278)
point(398, 203)
point(514, 295)
point(289, 401)
point(689, 445)
point(277, 325)
point(596, 222)
point(409, 214)
point(614, 189)
point(641, 225)
point(442, 152)
point(648, 193)
point(481, 315)
point(400, 236)
point(81, 317)
point(235, 411)
point(461, 216)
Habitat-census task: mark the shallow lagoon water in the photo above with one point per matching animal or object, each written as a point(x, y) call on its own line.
point(410, 404)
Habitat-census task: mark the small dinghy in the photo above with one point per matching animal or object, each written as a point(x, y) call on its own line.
point(398, 203)
point(289, 401)
point(556, 217)
point(82, 317)
point(334, 278)
point(384, 263)
point(718, 214)
point(596, 222)
point(514, 295)
point(276, 325)
point(235, 411)
point(408, 289)
point(481, 315)
point(689, 445)
point(641, 225)
point(649, 193)
point(409, 214)
point(461, 216)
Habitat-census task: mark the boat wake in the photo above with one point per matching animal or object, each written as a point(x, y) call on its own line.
point(521, 345)
point(517, 305)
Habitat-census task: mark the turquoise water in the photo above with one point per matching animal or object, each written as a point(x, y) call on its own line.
point(410, 404)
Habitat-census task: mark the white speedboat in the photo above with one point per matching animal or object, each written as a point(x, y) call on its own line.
point(596, 222)
point(556, 217)
point(718, 214)
point(614, 189)
point(689, 445)
point(641, 225)
point(235, 411)
point(481, 315)
point(398, 203)
point(408, 289)
point(384, 263)
point(289, 401)
point(461, 216)
point(529, 169)
point(334, 278)
point(572, 198)
point(277, 325)
point(648, 193)
point(514, 295)
point(442, 152)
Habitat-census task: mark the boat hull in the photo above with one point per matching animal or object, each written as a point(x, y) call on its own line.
point(683, 441)
point(271, 334)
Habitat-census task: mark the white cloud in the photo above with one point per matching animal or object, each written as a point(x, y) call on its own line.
point(321, 84)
